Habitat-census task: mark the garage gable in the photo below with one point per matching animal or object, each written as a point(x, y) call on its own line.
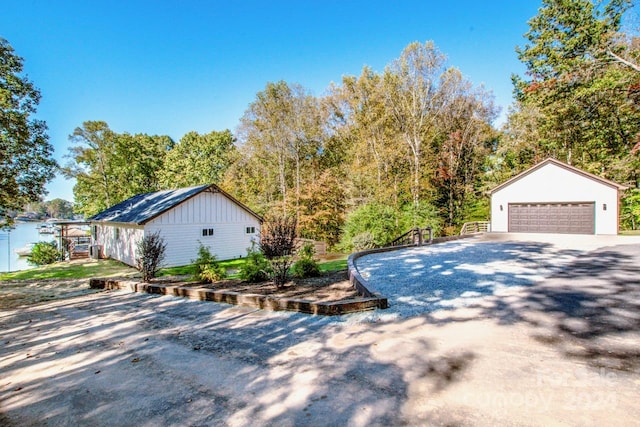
point(553, 197)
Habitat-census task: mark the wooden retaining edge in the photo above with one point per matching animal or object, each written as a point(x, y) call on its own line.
point(364, 287)
point(264, 302)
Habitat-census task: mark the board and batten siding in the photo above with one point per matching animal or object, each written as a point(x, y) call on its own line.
point(119, 241)
point(555, 184)
point(181, 228)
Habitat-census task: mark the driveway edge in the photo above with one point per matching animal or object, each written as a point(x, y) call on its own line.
point(264, 302)
point(368, 290)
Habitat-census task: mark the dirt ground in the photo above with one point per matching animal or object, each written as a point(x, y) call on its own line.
point(16, 293)
point(562, 353)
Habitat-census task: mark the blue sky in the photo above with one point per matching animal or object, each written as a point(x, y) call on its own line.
point(169, 67)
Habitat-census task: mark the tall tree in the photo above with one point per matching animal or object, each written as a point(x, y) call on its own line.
point(26, 162)
point(59, 208)
point(280, 135)
point(92, 165)
point(378, 167)
point(111, 167)
point(413, 96)
point(139, 162)
point(322, 209)
point(578, 95)
point(198, 159)
point(465, 133)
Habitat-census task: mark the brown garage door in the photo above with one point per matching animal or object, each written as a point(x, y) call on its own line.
point(570, 218)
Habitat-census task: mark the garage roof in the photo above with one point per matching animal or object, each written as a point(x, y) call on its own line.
point(570, 168)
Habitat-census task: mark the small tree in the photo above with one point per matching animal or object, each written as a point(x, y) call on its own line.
point(306, 265)
point(207, 268)
point(277, 241)
point(150, 252)
point(44, 253)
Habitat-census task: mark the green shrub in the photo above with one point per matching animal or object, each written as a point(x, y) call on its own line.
point(306, 265)
point(210, 273)
point(256, 268)
point(44, 253)
point(206, 268)
point(363, 241)
point(377, 220)
point(424, 215)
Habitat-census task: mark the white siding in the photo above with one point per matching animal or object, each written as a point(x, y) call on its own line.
point(121, 247)
point(182, 226)
point(553, 183)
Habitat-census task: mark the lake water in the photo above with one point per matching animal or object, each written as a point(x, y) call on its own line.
point(17, 238)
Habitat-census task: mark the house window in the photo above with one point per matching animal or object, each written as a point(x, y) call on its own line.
point(94, 232)
point(116, 233)
point(207, 232)
point(251, 230)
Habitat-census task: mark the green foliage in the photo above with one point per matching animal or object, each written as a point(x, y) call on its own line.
point(363, 241)
point(630, 212)
point(44, 253)
point(109, 167)
point(280, 135)
point(26, 162)
point(210, 273)
point(198, 159)
point(565, 34)
point(59, 208)
point(256, 267)
point(306, 265)
point(150, 254)
point(478, 210)
point(206, 268)
point(382, 222)
point(322, 206)
point(423, 215)
point(94, 268)
point(577, 103)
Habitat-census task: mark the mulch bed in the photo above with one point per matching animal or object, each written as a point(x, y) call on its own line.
point(333, 286)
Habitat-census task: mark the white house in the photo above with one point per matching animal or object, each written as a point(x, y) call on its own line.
point(184, 217)
point(553, 197)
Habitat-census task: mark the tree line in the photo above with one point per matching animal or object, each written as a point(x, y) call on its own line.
point(405, 146)
point(412, 145)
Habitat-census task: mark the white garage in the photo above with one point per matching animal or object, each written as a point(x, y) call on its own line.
point(553, 197)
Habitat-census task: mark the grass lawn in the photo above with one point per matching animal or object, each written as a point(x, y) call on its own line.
point(85, 269)
point(80, 269)
point(65, 279)
point(232, 264)
point(334, 265)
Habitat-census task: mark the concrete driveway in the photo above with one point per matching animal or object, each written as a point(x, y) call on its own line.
point(562, 351)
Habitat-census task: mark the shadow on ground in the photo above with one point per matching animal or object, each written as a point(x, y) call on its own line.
point(458, 274)
point(130, 359)
point(585, 304)
point(590, 309)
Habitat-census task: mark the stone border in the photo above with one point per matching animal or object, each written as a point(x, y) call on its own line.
point(365, 288)
point(264, 302)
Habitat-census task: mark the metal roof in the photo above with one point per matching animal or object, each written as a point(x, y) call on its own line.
point(142, 208)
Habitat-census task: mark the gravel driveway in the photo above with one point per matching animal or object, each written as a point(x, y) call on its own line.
point(463, 273)
point(563, 352)
point(458, 273)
